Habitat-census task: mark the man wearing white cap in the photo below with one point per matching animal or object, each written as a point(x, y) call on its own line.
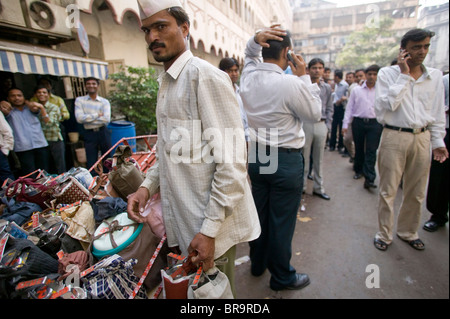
point(206, 200)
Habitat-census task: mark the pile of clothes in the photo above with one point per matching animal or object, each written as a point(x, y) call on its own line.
point(70, 237)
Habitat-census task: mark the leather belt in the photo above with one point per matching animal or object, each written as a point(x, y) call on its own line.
point(408, 130)
point(282, 150)
point(365, 119)
point(96, 129)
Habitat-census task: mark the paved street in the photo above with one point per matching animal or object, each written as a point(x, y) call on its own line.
point(333, 244)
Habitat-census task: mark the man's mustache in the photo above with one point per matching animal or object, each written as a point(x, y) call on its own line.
point(156, 45)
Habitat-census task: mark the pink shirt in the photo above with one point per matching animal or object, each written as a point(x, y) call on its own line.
point(361, 104)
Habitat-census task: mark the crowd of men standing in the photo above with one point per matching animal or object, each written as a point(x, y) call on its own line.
point(393, 116)
point(33, 137)
point(209, 207)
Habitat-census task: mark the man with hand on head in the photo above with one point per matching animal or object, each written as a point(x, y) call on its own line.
point(276, 105)
point(206, 200)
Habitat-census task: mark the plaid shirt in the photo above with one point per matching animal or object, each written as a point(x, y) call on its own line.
point(52, 131)
point(58, 101)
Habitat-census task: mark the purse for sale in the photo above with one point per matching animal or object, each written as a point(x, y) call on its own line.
point(71, 191)
point(112, 278)
point(213, 284)
point(185, 281)
point(22, 261)
point(30, 191)
point(125, 177)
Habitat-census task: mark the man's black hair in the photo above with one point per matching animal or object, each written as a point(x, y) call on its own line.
point(228, 63)
point(180, 15)
point(41, 86)
point(373, 67)
point(13, 88)
point(90, 79)
point(339, 74)
point(274, 51)
point(315, 61)
point(416, 35)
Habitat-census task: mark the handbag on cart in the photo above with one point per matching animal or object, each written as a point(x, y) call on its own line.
point(71, 192)
point(22, 260)
point(185, 281)
point(30, 191)
point(112, 278)
point(125, 177)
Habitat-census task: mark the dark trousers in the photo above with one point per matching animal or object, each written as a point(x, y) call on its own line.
point(58, 155)
point(96, 141)
point(277, 198)
point(5, 171)
point(336, 127)
point(366, 136)
point(32, 160)
point(438, 189)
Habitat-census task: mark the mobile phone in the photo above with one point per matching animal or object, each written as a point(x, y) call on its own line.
point(290, 58)
point(406, 56)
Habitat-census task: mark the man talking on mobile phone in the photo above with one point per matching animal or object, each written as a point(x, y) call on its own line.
point(278, 103)
point(409, 104)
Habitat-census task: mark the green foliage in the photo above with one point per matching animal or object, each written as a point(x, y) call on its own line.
point(134, 95)
point(373, 45)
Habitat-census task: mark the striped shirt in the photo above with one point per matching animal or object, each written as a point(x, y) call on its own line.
point(92, 113)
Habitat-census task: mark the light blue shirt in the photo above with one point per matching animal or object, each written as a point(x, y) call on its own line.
point(26, 126)
point(340, 90)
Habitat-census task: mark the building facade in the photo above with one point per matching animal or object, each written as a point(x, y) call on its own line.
point(321, 29)
point(107, 32)
point(436, 19)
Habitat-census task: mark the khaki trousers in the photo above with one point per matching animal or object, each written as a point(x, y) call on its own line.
point(408, 155)
point(315, 138)
point(228, 268)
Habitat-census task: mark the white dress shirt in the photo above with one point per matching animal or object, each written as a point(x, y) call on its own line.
point(275, 100)
point(404, 102)
point(200, 196)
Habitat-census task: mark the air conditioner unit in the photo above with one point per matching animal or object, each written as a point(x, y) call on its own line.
point(11, 13)
point(48, 18)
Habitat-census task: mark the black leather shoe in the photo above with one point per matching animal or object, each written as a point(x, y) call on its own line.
point(301, 281)
point(432, 226)
point(323, 195)
point(357, 176)
point(369, 185)
point(310, 177)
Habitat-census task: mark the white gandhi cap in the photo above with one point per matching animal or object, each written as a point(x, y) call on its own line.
point(148, 8)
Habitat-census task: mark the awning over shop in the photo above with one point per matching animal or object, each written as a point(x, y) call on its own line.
point(28, 59)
